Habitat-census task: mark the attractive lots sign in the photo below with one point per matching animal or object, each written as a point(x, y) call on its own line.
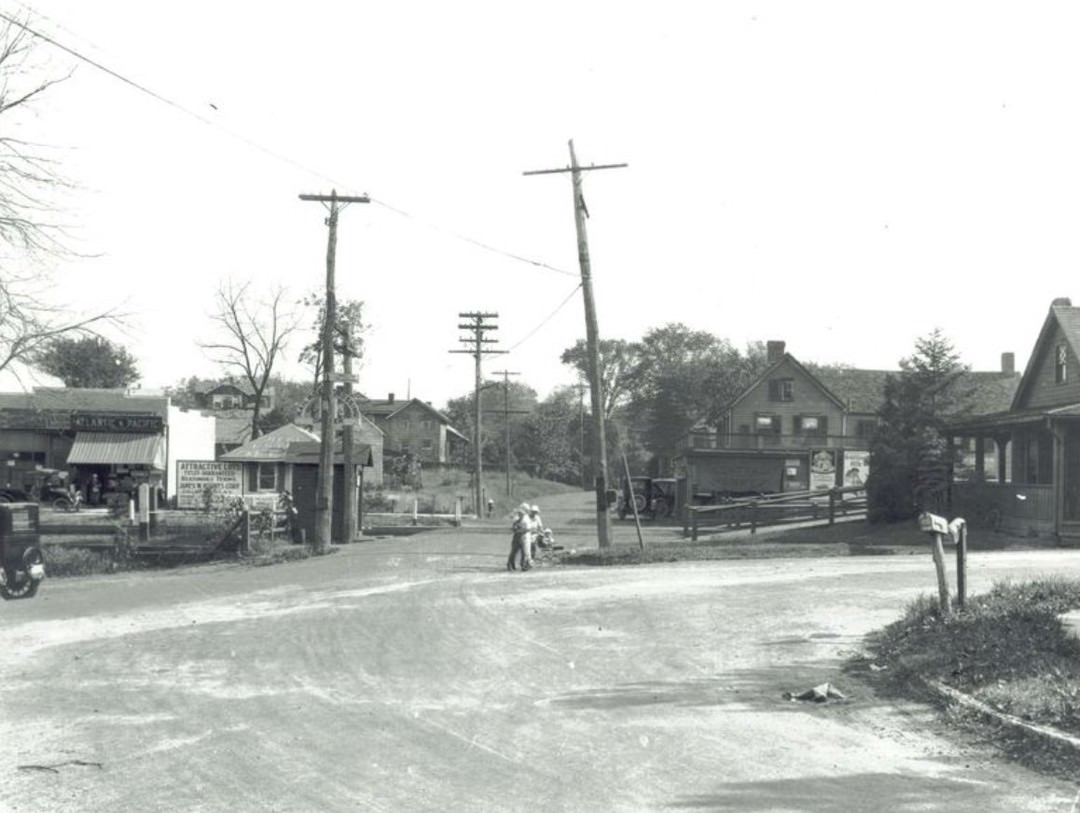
point(208, 484)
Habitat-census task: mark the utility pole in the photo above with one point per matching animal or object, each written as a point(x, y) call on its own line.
point(478, 328)
point(506, 411)
point(324, 484)
point(592, 339)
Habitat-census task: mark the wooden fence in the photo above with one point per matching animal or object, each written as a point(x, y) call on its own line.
point(777, 509)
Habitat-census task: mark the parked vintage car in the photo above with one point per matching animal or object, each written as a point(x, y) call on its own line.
point(652, 496)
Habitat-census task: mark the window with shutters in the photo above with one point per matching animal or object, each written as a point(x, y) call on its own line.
point(781, 389)
point(767, 424)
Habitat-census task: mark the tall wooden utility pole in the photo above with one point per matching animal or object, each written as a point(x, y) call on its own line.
point(592, 339)
point(324, 485)
point(478, 341)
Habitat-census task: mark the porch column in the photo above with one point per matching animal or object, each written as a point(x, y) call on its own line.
point(1002, 442)
point(1057, 473)
point(980, 459)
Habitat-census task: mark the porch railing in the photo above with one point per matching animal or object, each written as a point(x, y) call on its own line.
point(768, 440)
point(1007, 506)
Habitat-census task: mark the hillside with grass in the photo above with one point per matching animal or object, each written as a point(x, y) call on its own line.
point(438, 493)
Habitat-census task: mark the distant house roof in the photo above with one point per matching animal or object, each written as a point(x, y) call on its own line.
point(231, 429)
point(858, 390)
point(65, 399)
point(273, 446)
point(208, 387)
point(387, 408)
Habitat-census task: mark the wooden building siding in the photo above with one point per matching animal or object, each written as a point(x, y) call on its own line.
point(1043, 390)
point(411, 427)
point(808, 399)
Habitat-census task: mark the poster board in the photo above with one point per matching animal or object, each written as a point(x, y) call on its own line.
point(208, 484)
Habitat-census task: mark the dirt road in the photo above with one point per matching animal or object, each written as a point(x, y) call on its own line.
point(417, 674)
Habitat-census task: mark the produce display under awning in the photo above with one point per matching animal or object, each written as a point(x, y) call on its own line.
point(117, 449)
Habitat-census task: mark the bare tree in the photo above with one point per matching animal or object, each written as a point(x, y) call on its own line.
point(29, 319)
point(253, 333)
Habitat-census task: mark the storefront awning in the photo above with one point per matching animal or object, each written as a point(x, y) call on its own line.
point(118, 449)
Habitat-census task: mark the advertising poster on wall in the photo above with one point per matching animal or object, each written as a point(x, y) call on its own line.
point(822, 470)
point(207, 484)
point(856, 468)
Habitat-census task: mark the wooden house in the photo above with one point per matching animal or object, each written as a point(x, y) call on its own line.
point(798, 429)
point(1034, 485)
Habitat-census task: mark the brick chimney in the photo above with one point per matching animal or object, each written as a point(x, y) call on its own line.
point(390, 398)
point(774, 351)
point(1008, 363)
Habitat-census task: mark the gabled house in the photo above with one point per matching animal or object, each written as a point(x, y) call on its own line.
point(231, 395)
point(1034, 485)
point(416, 427)
point(796, 429)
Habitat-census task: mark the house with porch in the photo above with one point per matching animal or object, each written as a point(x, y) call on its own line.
point(796, 429)
point(1032, 484)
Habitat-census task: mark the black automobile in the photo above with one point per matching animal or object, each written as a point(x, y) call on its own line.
point(652, 497)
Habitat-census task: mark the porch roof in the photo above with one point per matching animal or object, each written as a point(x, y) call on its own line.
point(986, 424)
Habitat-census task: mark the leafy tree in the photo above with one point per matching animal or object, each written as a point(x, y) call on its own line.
point(29, 318)
point(252, 333)
point(685, 377)
point(349, 329)
point(88, 362)
point(910, 456)
point(619, 362)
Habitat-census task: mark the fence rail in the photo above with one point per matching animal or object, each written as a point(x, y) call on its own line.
point(777, 509)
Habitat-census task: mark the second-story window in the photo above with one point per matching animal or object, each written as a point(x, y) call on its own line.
point(781, 389)
point(1061, 357)
point(767, 424)
point(816, 425)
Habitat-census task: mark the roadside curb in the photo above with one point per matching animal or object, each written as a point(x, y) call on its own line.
point(1011, 720)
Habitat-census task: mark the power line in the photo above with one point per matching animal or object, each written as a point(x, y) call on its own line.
point(210, 122)
point(547, 319)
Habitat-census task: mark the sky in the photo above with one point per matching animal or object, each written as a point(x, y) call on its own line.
point(842, 176)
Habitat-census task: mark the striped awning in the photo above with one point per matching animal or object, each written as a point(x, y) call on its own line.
point(115, 448)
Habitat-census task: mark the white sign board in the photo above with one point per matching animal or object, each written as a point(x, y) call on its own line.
point(208, 483)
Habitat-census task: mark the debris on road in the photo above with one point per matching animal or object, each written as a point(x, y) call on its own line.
point(821, 693)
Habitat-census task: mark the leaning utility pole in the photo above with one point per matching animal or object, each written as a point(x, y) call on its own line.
point(592, 339)
point(478, 341)
point(324, 485)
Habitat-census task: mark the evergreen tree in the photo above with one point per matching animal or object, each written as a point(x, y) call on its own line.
point(910, 456)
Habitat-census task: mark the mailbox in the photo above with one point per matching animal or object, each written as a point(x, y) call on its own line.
point(933, 524)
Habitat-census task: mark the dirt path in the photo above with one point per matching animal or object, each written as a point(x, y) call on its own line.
point(416, 674)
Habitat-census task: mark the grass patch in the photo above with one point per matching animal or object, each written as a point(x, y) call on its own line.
point(1007, 648)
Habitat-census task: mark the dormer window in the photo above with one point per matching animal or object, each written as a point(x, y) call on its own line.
point(1061, 356)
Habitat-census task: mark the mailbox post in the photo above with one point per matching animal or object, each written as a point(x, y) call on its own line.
point(938, 527)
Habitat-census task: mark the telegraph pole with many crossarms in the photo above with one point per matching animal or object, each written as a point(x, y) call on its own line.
point(592, 339)
point(478, 328)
